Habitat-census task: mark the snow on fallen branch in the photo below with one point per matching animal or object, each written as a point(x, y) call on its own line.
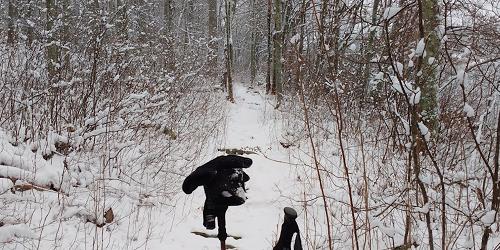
point(25, 180)
point(10, 232)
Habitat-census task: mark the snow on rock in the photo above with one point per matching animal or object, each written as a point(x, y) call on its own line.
point(469, 111)
point(10, 232)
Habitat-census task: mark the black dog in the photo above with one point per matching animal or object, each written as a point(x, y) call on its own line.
point(224, 182)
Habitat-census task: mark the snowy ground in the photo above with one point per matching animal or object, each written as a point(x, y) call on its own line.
point(250, 124)
point(145, 217)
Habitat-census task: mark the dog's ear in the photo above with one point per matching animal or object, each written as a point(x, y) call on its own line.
point(245, 177)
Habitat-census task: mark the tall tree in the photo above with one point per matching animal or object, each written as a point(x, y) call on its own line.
point(253, 45)
point(427, 77)
point(229, 52)
point(169, 26)
point(11, 25)
point(168, 18)
point(269, 48)
point(52, 50)
point(369, 50)
point(212, 35)
point(66, 36)
point(277, 85)
point(29, 22)
point(122, 19)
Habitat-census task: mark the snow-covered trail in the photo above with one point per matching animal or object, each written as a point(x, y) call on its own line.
point(250, 123)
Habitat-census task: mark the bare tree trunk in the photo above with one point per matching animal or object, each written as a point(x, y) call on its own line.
point(427, 79)
point(167, 12)
point(277, 85)
point(369, 51)
point(253, 46)
point(168, 16)
point(495, 203)
point(229, 53)
point(122, 20)
point(65, 31)
point(29, 28)
point(52, 51)
point(212, 35)
point(11, 26)
point(269, 48)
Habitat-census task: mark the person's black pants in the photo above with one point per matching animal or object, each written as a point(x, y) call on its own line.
point(212, 211)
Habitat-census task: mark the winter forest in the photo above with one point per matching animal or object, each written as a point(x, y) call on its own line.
point(376, 120)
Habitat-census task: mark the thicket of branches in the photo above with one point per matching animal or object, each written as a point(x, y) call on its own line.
point(399, 106)
point(130, 80)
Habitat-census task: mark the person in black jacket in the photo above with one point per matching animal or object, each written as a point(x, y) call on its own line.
point(223, 180)
point(288, 228)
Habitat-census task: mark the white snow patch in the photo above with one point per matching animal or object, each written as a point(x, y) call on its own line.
point(488, 218)
point(420, 47)
point(390, 12)
point(415, 96)
point(424, 131)
point(399, 66)
point(10, 232)
point(5, 185)
point(469, 111)
point(295, 38)
point(424, 209)
point(461, 76)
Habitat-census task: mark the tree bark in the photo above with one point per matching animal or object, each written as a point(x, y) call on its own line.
point(229, 53)
point(52, 51)
point(253, 46)
point(277, 85)
point(427, 78)
point(11, 26)
point(269, 48)
point(212, 36)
